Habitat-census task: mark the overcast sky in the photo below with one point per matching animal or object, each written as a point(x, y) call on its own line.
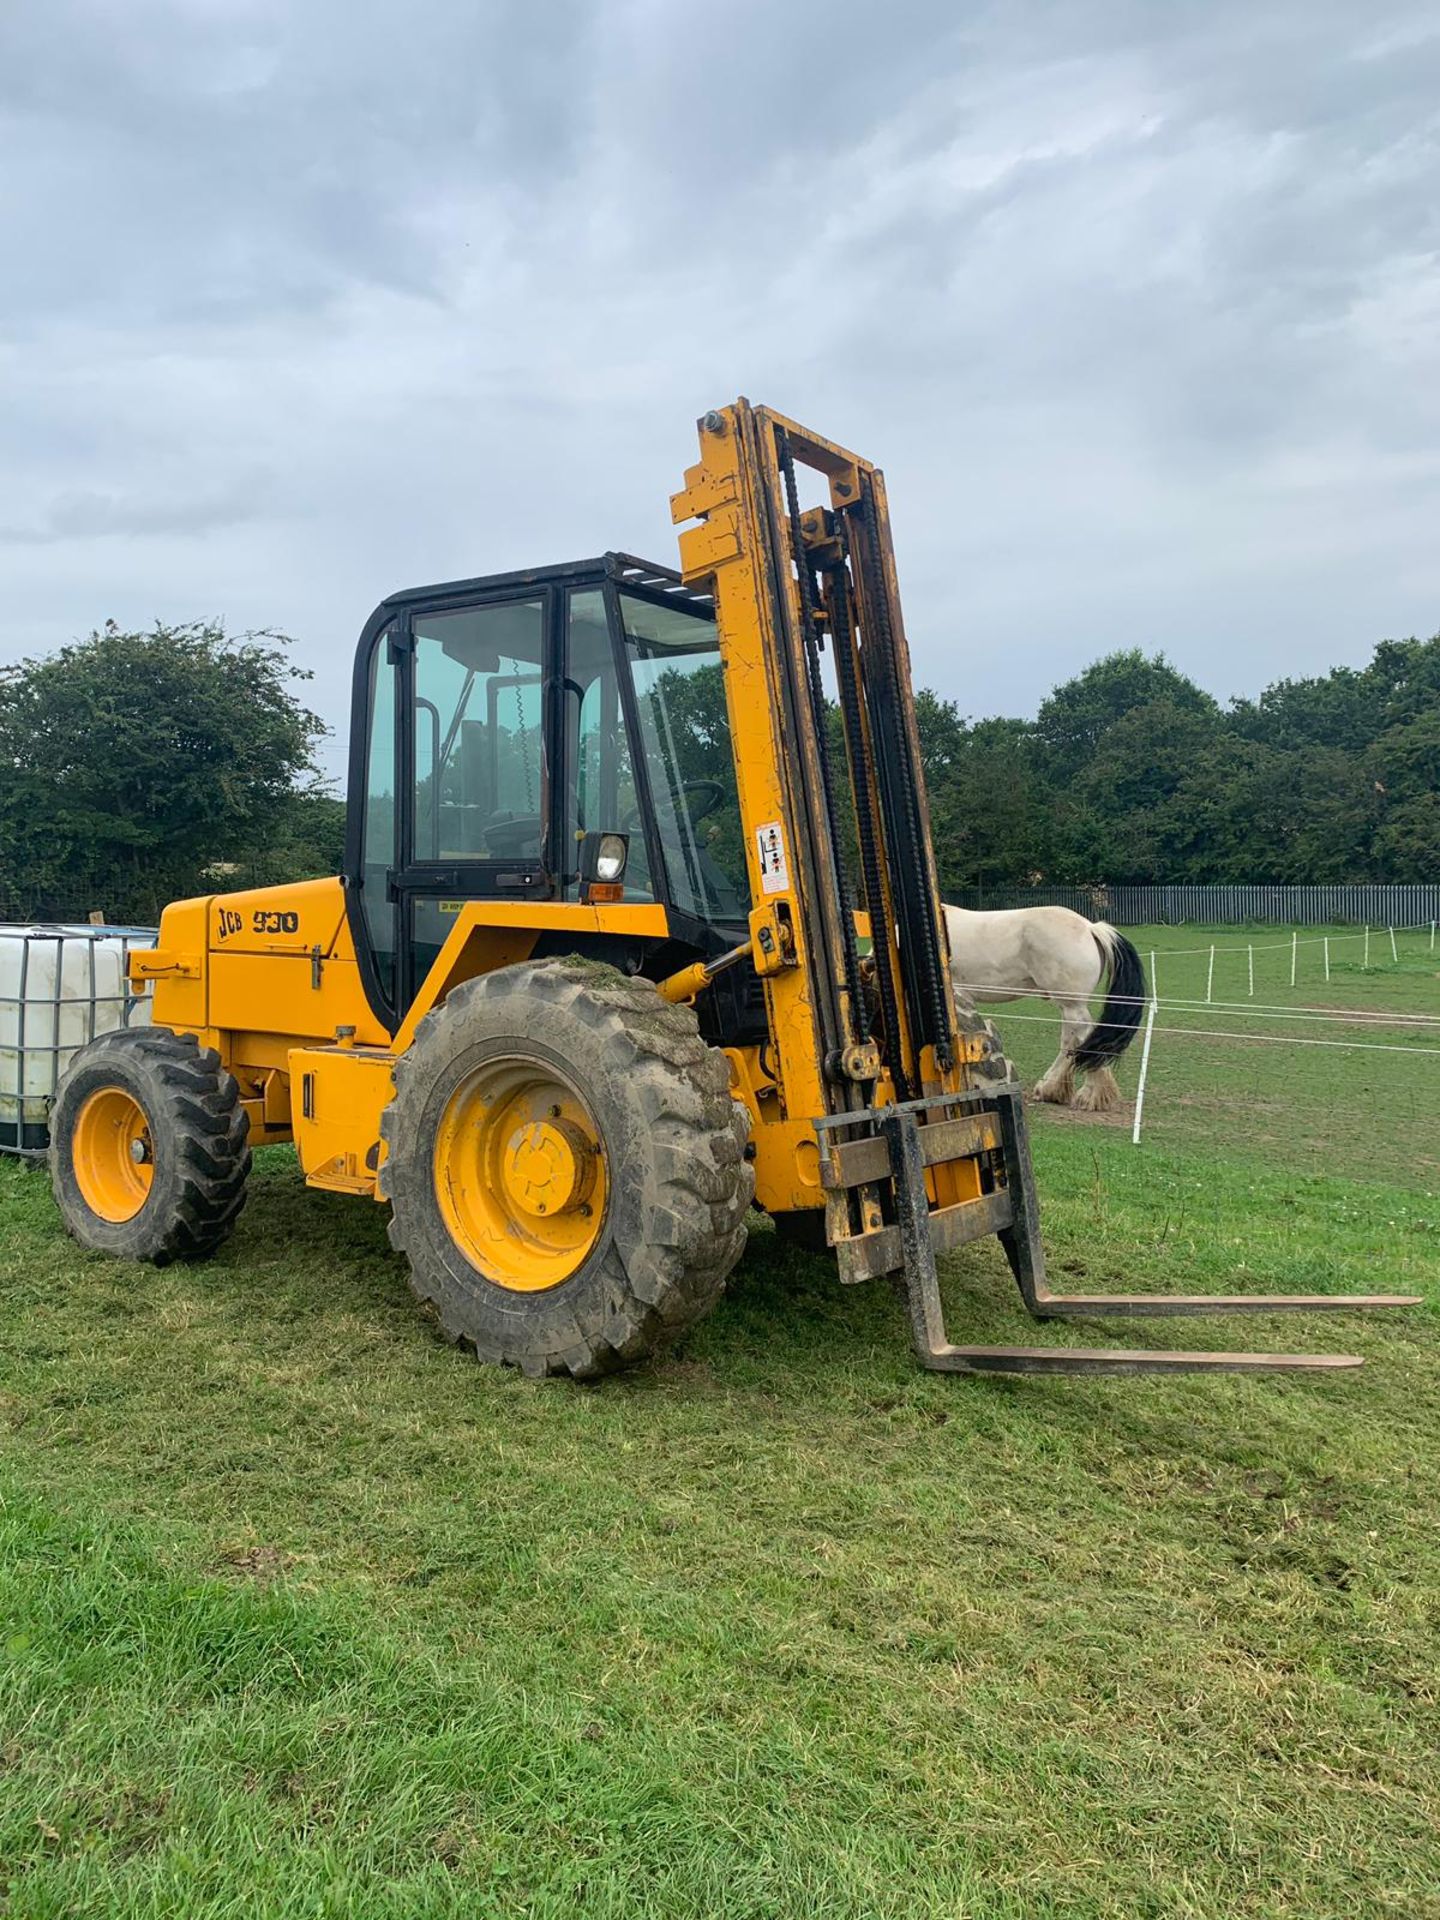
point(1137, 304)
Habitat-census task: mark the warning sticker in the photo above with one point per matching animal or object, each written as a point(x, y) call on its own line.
point(774, 866)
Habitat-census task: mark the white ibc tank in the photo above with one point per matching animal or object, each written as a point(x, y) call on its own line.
point(59, 987)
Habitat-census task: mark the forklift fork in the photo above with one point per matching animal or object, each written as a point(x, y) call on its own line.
point(1012, 1213)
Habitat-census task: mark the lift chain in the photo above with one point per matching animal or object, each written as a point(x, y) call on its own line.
point(920, 924)
point(810, 642)
point(842, 627)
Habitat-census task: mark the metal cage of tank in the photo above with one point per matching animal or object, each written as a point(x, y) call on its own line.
point(39, 1029)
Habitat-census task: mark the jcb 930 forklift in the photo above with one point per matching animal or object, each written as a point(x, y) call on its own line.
point(596, 976)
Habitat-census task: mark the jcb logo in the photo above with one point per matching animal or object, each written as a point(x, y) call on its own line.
point(263, 920)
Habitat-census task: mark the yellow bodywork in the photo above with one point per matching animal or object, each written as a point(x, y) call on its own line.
point(726, 491)
point(270, 980)
point(315, 1065)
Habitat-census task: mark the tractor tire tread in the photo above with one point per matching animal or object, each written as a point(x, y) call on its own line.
point(699, 1184)
point(193, 1105)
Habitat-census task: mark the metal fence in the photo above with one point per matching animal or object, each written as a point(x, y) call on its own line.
point(1127, 906)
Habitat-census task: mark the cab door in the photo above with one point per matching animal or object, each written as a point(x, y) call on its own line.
point(476, 703)
point(454, 765)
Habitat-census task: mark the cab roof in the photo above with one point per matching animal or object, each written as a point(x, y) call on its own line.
point(624, 569)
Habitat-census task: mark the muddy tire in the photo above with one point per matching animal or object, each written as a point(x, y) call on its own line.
point(148, 1153)
point(588, 1266)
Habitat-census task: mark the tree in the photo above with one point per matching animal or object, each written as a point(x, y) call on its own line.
point(308, 843)
point(131, 762)
point(1405, 760)
point(1133, 773)
point(1077, 715)
point(1263, 813)
point(1407, 846)
point(1343, 709)
point(1127, 825)
point(1349, 706)
point(988, 816)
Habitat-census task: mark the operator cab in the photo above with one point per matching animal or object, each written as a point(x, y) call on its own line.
point(496, 723)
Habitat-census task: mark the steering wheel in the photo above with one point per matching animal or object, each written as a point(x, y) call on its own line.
point(513, 836)
point(712, 794)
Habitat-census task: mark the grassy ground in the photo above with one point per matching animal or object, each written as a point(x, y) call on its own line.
point(1267, 1075)
point(304, 1614)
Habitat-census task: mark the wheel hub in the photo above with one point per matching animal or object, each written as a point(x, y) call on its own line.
point(112, 1155)
point(520, 1173)
point(548, 1167)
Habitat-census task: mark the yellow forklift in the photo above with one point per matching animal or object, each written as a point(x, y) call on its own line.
point(624, 943)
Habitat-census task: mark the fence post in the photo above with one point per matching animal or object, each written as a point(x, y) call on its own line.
point(1393, 954)
point(1210, 976)
point(1144, 1070)
point(1251, 951)
point(1327, 959)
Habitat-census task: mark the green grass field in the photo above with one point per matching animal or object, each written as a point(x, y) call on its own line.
point(304, 1614)
point(1266, 1075)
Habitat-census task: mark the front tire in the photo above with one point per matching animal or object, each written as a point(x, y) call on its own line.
point(148, 1153)
point(565, 1167)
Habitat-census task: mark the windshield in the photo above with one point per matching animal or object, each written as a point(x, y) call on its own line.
point(674, 659)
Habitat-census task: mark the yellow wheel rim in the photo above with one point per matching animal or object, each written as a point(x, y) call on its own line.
point(520, 1174)
point(112, 1155)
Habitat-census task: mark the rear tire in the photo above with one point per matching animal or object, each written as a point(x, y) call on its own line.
point(148, 1153)
point(658, 1142)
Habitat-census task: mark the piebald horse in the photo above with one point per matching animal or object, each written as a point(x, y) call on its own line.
point(1064, 957)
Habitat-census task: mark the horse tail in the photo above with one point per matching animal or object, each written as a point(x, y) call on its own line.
point(1124, 1000)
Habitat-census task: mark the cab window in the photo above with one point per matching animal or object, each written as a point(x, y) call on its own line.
point(379, 853)
point(602, 796)
point(479, 736)
point(674, 659)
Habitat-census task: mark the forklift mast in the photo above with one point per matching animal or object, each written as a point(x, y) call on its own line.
point(788, 585)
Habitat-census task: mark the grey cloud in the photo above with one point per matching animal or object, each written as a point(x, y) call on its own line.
point(1138, 306)
point(85, 514)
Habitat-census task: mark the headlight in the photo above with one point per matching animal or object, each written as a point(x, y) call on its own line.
point(611, 856)
point(602, 865)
